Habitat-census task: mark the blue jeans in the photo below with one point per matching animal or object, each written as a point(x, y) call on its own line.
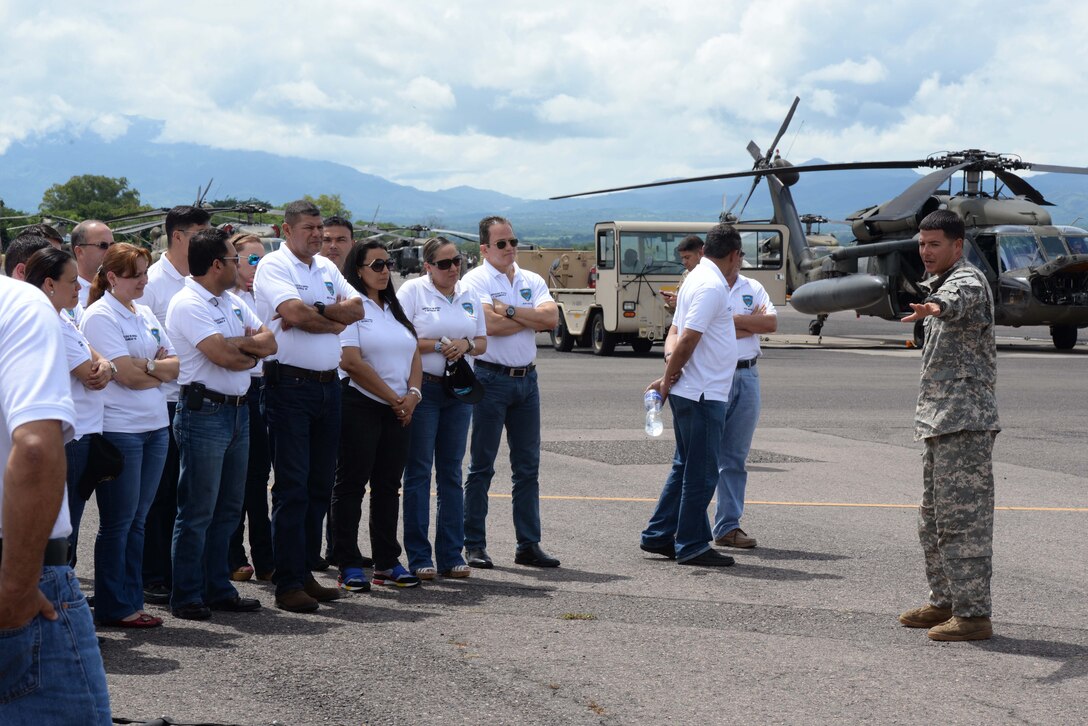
point(680, 516)
point(51, 670)
point(741, 416)
point(159, 539)
point(304, 435)
point(255, 504)
point(213, 450)
point(439, 436)
point(513, 403)
point(122, 509)
point(75, 452)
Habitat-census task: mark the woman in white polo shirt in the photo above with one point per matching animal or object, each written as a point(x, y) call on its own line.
point(450, 325)
point(381, 360)
point(135, 421)
point(54, 272)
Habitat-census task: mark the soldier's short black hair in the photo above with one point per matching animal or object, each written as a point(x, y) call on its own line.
point(691, 243)
point(183, 217)
point(721, 241)
point(338, 221)
point(948, 222)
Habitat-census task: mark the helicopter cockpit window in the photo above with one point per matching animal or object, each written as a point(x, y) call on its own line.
point(606, 250)
point(651, 253)
point(1054, 247)
point(1079, 245)
point(762, 250)
point(1018, 251)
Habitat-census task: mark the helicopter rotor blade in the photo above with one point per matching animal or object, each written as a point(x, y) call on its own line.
point(753, 150)
point(782, 129)
point(751, 190)
point(909, 202)
point(1020, 187)
point(1056, 169)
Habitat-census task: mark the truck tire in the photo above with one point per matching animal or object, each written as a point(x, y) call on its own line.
point(642, 345)
point(604, 343)
point(1064, 336)
point(562, 340)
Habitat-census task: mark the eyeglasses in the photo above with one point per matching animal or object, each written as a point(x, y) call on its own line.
point(253, 260)
point(99, 245)
point(501, 244)
point(234, 259)
point(447, 264)
point(380, 265)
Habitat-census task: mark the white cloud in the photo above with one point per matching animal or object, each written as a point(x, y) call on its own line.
point(428, 94)
point(866, 72)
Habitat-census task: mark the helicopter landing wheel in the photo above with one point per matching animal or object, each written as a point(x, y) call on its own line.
point(815, 327)
point(1064, 336)
point(919, 334)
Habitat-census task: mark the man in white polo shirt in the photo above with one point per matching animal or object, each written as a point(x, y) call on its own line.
point(516, 305)
point(700, 358)
point(165, 279)
point(91, 240)
point(49, 660)
point(307, 303)
point(219, 340)
point(753, 315)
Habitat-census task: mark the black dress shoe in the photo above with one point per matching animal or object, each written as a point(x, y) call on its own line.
point(478, 557)
point(192, 611)
point(237, 604)
point(157, 594)
point(534, 556)
point(319, 565)
point(665, 550)
point(710, 558)
point(364, 561)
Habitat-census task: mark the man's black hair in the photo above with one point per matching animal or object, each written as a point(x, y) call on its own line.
point(21, 249)
point(205, 247)
point(487, 223)
point(691, 243)
point(300, 208)
point(946, 221)
point(337, 221)
point(721, 241)
point(182, 218)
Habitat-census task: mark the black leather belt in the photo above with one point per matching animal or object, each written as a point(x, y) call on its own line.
point(433, 378)
point(319, 376)
point(513, 372)
point(220, 397)
point(750, 363)
point(56, 552)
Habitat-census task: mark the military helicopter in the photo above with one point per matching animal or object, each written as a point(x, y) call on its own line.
point(1038, 271)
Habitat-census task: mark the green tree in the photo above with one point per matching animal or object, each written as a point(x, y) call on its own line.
point(330, 205)
point(92, 197)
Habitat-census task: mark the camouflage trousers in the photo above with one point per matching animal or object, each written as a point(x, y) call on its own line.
point(956, 520)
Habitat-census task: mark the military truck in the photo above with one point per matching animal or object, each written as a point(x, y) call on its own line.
point(611, 295)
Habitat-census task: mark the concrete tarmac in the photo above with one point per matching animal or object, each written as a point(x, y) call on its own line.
point(802, 630)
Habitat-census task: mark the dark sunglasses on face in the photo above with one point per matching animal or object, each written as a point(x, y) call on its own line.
point(99, 245)
point(253, 260)
point(379, 265)
point(501, 244)
point(447, 264)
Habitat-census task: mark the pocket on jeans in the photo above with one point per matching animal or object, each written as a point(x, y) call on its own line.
point(20, 669)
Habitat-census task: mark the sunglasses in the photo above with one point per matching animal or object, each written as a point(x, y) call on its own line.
point(99, 245)
point(380, 265)
point(253, 260)
point(501, 244)
point(447, 264)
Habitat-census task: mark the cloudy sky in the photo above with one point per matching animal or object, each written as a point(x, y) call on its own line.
point(540, 98)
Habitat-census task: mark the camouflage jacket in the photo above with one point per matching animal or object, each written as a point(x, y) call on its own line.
point(959, 357)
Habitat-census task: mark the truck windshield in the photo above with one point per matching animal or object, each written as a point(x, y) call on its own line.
point(1019, 251)
point(651, 253)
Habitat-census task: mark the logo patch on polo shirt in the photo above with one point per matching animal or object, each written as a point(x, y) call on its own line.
point(747, 300)
point(238, 312)
point(155, 332)
point(468, 308)
point(526, 294)
point(330, 288)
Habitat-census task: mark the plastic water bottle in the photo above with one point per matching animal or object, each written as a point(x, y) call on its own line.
point(652, 401)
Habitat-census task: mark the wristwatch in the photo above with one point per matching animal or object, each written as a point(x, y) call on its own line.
point(471, 344)
point(510, 311)
point(416, 392)
point(150, 368)
point(438, 346)
point(113, 367)
point(320, 308)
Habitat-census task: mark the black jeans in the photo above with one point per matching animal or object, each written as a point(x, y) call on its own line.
point(255, 504)
point(373, 448)
point(159, 527)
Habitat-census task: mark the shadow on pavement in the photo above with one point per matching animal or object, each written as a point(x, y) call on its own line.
point(1073, 657)
point(767, 553)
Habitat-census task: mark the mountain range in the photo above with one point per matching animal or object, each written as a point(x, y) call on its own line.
point(170, 173)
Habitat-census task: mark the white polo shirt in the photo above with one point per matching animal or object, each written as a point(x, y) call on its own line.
point(528, 290)
point(248, 299)
point(745, 296)
point(115, 332)
point(703, 306)
point(33, 378)
point(195, 314)
point(163, 283)
point(434, 316)
point(84, 291)
point(280, 277)
point(89, 404)
point(385, 344)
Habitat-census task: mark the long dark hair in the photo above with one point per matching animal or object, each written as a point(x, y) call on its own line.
point(388, 295)
point(47, 263)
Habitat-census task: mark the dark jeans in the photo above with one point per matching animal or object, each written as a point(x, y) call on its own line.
point(304, 433)
point(75, 452)
point(373, 448)
point(255, 504)
point(159, 527)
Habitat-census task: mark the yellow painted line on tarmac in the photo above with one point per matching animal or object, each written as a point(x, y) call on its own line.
point(796, 504)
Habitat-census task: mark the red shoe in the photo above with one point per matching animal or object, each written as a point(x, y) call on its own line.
point(142, 621)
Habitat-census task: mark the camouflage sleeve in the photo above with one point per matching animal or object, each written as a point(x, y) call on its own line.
point(959, 294)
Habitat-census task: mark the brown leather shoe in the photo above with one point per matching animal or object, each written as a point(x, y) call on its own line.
point(736, 538)
point(320, 592)
point(296, 601)
point(925, 617)
point(957, 628)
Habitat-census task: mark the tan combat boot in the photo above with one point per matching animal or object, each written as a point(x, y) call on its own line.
point(958, 628)
point(925, 617)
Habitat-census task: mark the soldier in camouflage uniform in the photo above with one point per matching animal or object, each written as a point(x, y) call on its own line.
point(956, 417)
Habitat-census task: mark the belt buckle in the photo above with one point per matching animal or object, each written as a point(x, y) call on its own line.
point(518, 372)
